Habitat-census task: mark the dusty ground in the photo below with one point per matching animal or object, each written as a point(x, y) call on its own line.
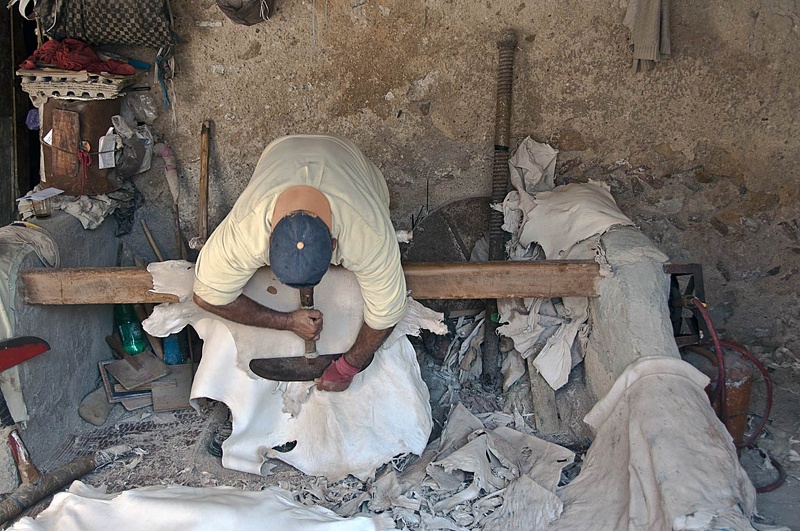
point(781, 437)
point(173, 448)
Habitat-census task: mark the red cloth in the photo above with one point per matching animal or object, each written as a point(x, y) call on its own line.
point(72, 54)
point(340, 371)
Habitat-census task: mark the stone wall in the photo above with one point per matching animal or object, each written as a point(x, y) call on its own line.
point(701, 151)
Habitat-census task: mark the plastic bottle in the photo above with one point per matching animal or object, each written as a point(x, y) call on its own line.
point(130, 329)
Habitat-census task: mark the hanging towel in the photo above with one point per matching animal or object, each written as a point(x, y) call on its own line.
point(648, 21)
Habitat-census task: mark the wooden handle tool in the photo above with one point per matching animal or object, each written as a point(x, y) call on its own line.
point(307, 303)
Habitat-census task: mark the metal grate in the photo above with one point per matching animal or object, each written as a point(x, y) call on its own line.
point(185, 428)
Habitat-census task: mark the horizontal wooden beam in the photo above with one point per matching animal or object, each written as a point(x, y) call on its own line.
point(502, 280)
point(429, 280)
point(89, 285)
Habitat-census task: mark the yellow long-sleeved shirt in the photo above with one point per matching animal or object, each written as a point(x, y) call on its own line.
point(359, 200)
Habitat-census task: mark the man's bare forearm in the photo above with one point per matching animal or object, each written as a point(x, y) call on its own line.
point(246, 311)
point(306, 324)
point(367, 342)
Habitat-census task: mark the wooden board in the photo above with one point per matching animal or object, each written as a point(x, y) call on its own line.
point(543, 398)
point(100, 285)
point(502, 280)
point(135, 371)
point(66, 139)
point(431, 280)
point(132, 404)
point(172, 392)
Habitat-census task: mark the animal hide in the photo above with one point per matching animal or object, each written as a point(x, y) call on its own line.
point(85, 508)
point(336, 434)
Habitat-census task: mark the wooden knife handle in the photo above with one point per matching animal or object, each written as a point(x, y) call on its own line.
point(311, 349)
point(307, 303)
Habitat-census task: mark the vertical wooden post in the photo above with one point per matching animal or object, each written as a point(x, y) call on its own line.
point(202, 206)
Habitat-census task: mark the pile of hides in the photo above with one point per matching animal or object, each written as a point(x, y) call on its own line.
point(160, 508)
point(554, 223)
point(545, 222)
point(555, 331)
point(336, 434)
point(648, 469)
point(476, 478)
point(644, 432)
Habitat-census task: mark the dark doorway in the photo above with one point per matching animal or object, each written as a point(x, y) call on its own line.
point(19, 145)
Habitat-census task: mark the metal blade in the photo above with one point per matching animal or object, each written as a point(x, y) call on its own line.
point(297, 369)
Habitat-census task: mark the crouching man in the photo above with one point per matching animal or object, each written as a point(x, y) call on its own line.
point(313, 200)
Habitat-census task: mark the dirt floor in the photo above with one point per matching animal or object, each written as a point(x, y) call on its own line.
point(172, 448)
point(781, 438)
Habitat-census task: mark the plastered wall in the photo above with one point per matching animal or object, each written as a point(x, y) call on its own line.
point(701, 152)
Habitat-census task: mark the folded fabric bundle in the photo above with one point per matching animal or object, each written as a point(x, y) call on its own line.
point(72, 54)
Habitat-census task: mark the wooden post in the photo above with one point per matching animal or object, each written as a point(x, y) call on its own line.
point(502, 280)
point(152, 241)
point(202, 203)
point(100, 285)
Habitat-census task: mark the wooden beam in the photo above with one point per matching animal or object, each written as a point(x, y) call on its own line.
point(429, 280)
point(502, 280)
point(90, 285)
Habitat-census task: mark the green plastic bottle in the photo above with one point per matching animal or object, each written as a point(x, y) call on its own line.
point(130, 329)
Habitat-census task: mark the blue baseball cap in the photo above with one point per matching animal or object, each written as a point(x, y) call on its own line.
point(300, 249)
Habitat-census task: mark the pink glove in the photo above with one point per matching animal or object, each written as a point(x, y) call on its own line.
point(340, 371)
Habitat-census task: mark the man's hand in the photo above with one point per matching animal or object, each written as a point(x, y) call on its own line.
point(337, 376)
point(306, 323)
point(340, 373)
